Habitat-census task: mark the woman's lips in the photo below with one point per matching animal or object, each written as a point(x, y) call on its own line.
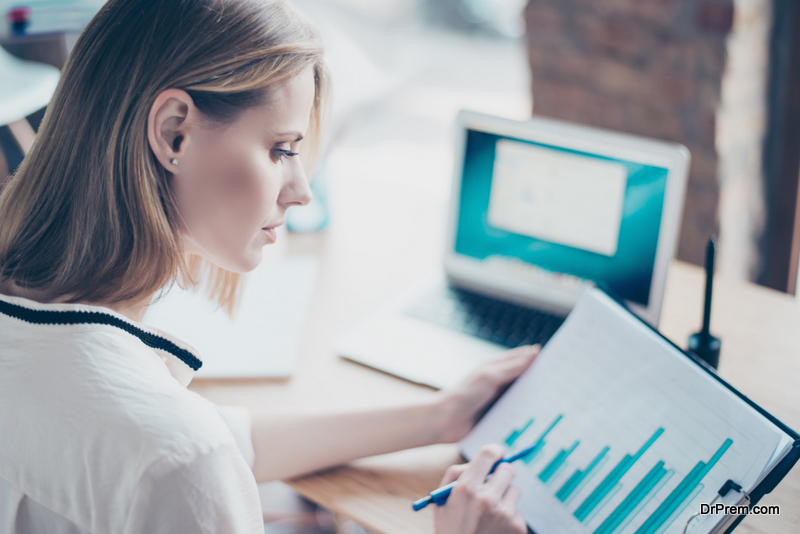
point(271, 231)
point(271, 234)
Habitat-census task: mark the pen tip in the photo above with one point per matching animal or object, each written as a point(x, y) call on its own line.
point(421, 503)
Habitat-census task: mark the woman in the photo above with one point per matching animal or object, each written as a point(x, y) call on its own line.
point(171, 149)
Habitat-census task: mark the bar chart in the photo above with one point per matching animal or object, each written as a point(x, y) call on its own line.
point(538, 447)
point(682, 495)
point(610, 484)
point(581, 477)
point(516, 433)
point(636, 499)
point(557, 464)
point(620, 444)
point(638, 493)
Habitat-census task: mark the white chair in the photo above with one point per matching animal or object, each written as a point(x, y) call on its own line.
point(25, 87)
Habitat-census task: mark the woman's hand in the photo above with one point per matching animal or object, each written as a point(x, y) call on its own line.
point(462, 404)
point(288, 445)
point(477, 505)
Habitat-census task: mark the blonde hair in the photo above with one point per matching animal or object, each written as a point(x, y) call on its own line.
point(89, 215)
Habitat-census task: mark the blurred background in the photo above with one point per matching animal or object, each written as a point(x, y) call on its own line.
point(720, 76)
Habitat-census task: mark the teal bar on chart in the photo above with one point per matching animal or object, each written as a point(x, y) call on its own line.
point(607, 497)
point(674, 515)
point(644, 502)
point(603, 488)
point(581, 477)
point(687, 487)
point(629, 504)
point(532, 456)
point(512, 438)
point(557, 463)
point(609, 483)
point(539, 445)
point(556, 474)
point(648, 526)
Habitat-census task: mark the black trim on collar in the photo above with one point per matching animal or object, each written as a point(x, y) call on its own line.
point(87, 317)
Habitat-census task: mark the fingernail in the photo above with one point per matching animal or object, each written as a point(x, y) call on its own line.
point(496, 449)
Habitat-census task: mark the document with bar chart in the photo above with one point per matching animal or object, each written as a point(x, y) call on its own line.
point(629, 435)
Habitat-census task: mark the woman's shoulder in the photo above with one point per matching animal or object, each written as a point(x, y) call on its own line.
point(92, 407)
point(79, 383)
point(101, 378)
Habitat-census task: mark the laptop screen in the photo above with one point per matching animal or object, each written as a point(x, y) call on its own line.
point(563, 215)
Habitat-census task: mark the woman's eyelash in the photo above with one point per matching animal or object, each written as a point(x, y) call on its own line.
point(286, 153)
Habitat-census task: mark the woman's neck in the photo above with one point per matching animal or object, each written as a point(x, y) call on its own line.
point(133, 311)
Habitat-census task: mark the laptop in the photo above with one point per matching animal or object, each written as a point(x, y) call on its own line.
point(541, 211)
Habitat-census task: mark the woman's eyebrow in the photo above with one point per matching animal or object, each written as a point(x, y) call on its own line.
point(298, 134)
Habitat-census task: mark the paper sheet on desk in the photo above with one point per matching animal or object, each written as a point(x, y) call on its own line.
point(262, 339)
point(622, 419)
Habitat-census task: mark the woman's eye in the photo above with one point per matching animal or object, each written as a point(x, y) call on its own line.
point(283, 153)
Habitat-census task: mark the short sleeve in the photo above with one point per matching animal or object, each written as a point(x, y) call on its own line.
point(239, 421)
point(214, 493)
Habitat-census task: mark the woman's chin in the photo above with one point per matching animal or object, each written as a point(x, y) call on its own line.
point(239, 263)
point(249, 262)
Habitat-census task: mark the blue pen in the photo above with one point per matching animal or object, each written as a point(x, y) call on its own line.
point(439, 496)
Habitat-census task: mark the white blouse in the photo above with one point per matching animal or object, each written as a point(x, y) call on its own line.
point(98, 433)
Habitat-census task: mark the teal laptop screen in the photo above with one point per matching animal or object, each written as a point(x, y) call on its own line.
point(571, 216)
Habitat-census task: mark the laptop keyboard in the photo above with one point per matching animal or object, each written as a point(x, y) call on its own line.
point(495, 320)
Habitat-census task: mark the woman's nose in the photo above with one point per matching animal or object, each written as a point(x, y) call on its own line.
point(297, 191)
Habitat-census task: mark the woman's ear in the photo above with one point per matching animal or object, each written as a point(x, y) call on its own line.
point(168, 127)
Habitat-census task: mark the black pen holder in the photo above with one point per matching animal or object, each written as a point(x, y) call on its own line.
point(706, 348)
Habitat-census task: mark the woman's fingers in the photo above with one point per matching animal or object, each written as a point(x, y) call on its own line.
point(508, 508)
point(500, 481)
point(478, 469)
point(511, 497)
point(478, 505)
point(521, 351)
point(511, 364)
point(462, 405)
point(521, 357)
point(452, 473)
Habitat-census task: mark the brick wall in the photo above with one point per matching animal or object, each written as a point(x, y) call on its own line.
point(648, 67)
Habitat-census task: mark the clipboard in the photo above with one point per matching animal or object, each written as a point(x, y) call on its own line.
point(554, 389)
point(778, 472)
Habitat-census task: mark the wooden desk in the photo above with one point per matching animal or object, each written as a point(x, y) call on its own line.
point(363, 263)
